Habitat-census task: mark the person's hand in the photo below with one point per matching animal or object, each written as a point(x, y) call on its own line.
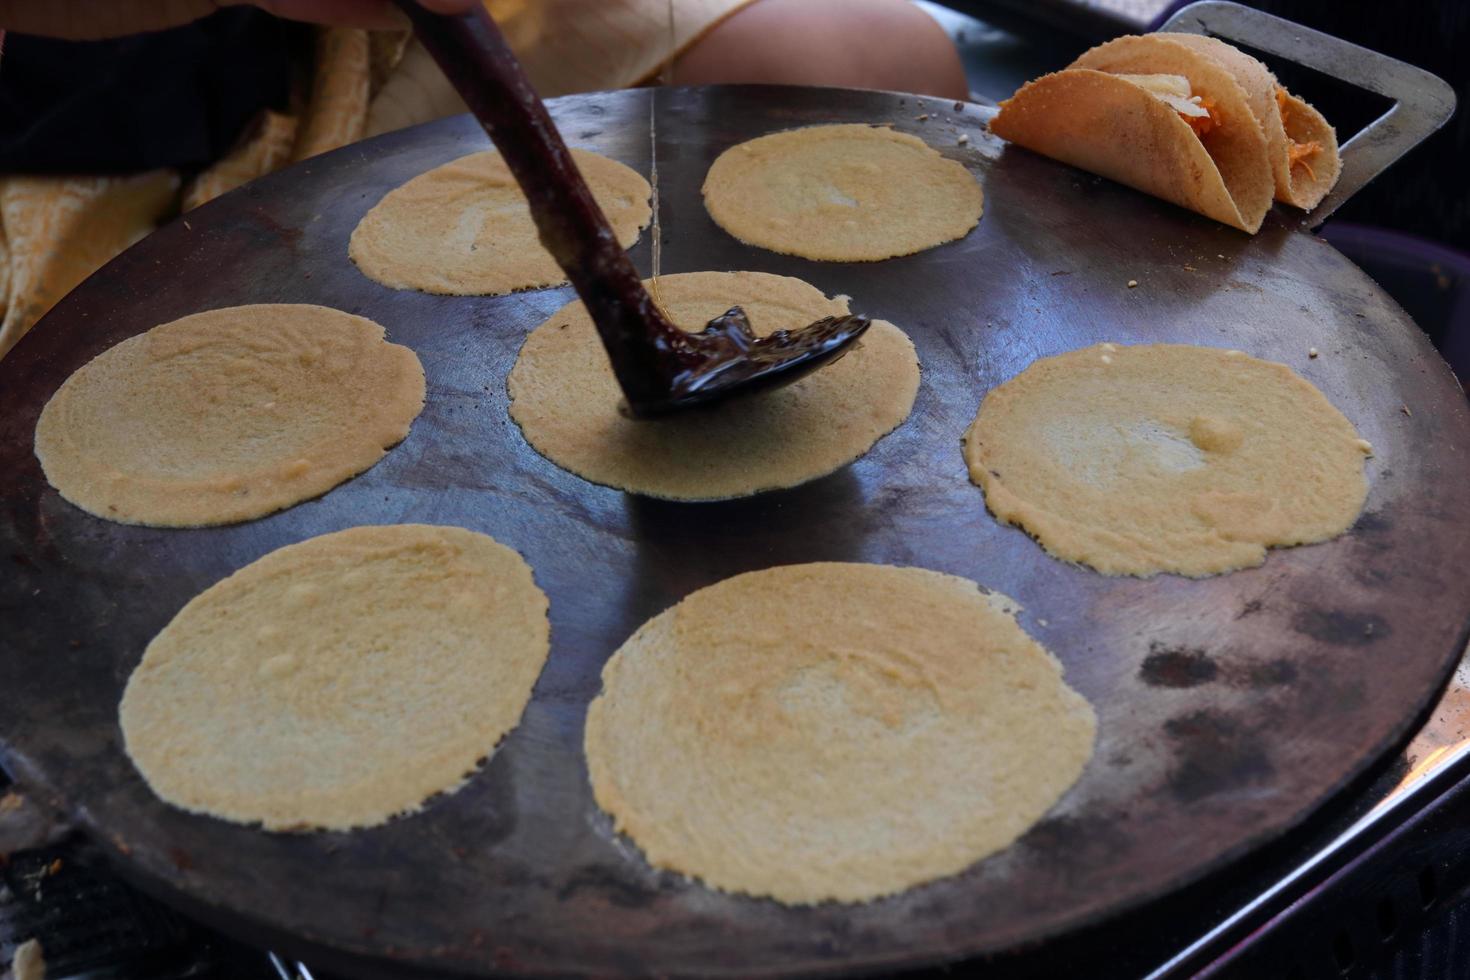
point(90, 19)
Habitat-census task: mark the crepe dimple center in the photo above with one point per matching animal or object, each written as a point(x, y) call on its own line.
point(1100, 451)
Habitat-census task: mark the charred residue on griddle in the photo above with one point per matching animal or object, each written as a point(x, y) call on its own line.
point(1213, 753)
point(1372, 535)
point(181, 858)
point(607, 883)
point(1371, 522)
point(1348, 629)
point(1177, 666)
point(1250, 608)
point(1076, 838)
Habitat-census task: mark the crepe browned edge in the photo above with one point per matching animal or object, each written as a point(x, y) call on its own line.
point(1300, 186)
point(1117, 129)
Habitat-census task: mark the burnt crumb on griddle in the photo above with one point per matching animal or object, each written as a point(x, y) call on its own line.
point(1340, 628)
point(1177, 667)
point(1250, 608)
point(1213, 753)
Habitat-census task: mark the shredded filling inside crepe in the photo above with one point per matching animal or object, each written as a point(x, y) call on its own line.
point(1296, 153)
point(1174, 91)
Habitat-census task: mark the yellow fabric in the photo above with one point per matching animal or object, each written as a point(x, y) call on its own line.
point(59, 230)
point(56, 231)
point(565, 45)
point(337, 107)
point(266, 146)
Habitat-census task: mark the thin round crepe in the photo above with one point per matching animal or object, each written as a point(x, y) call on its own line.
point(1285, 120)
point(844, 193)
point(565, 398)
point(465, 228)
point(228, 415)
point(832, 732)
point(1115, 127)
point(1166, 458)
point(340, 681)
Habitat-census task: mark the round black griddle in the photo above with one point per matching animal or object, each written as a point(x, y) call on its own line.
point(1229, 708)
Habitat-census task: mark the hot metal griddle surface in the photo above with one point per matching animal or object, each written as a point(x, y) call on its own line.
point(1229, 708)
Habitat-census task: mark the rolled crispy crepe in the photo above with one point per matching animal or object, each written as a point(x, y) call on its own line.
point(1130, 127)
point(1303, 146)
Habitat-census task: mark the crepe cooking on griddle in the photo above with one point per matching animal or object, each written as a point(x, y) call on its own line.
point(1184, 118)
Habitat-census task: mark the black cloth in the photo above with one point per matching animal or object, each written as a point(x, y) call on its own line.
point(1427, 192)
point(174, 98)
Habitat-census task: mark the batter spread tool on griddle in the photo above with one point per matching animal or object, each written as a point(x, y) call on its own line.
point(660, 367)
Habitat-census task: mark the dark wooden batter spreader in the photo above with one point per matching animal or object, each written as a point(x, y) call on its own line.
point(1229, 708)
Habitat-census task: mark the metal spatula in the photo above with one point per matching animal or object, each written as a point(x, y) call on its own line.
point(660, 367)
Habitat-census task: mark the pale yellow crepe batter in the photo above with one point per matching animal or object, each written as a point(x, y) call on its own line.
point(339, 681)
point(844, 193)
point(832, 732)
point(565, 399)
point(228, 415)
point(465, 228)
point(1166, 458)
